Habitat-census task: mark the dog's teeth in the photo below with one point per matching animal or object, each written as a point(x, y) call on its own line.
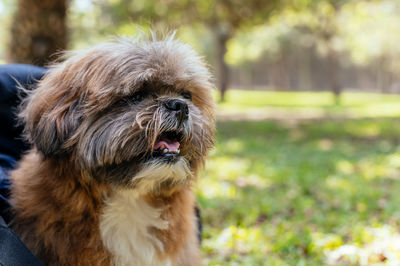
point(165, 150)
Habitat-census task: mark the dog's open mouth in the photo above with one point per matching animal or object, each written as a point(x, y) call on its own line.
point(167, 146)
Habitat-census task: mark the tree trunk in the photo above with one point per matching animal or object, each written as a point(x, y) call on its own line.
point(382, 77)
point(303, 55)
point(283, 82)
point(333, 77)
point(222, 38)
point(38, 31)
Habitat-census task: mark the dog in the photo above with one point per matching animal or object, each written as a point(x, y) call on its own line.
point(118, 132)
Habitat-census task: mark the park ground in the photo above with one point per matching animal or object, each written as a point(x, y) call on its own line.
point(297, 180)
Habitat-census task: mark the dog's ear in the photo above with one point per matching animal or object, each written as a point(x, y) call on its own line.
point(51, 115)
point(50, 131)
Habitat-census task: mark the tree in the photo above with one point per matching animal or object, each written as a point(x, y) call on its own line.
point(224, 18)
point(38, 31)
point(325, 31)
point(319, 19)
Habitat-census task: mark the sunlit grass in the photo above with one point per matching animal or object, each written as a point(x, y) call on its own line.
point(313, 192)
point(353, 104)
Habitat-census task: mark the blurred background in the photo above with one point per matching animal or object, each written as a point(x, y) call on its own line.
point(307, 164)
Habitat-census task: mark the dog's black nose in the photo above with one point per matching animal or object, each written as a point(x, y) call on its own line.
point(179, 107)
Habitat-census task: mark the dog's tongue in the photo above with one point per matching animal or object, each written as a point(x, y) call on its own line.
point(166, 143)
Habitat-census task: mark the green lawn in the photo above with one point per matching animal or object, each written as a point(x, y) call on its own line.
point(353, 104)
point(311, 192)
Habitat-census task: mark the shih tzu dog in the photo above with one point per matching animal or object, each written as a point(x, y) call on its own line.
point(119, 133)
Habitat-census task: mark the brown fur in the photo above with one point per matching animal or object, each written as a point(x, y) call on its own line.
point(91, 138)
point(56, 212)
point(178, 211)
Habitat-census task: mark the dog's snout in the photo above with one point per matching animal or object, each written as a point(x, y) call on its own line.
point(179, 107)
point(176, 105)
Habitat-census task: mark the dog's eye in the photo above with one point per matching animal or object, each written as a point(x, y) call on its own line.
point(138, 97)
point(187, 95)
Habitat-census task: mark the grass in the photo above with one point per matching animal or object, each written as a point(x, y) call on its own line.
point(353, 104)
point(312, 192)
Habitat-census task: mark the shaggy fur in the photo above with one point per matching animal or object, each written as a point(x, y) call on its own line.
point(94, 190)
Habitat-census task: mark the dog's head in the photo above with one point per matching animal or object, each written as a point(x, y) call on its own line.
point(137, 114)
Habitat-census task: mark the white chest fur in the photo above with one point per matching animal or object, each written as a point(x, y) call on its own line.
point(124, 228)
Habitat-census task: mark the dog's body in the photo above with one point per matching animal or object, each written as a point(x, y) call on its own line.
point(119, 133)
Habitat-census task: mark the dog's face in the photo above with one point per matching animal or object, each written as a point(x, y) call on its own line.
point(131, 114)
